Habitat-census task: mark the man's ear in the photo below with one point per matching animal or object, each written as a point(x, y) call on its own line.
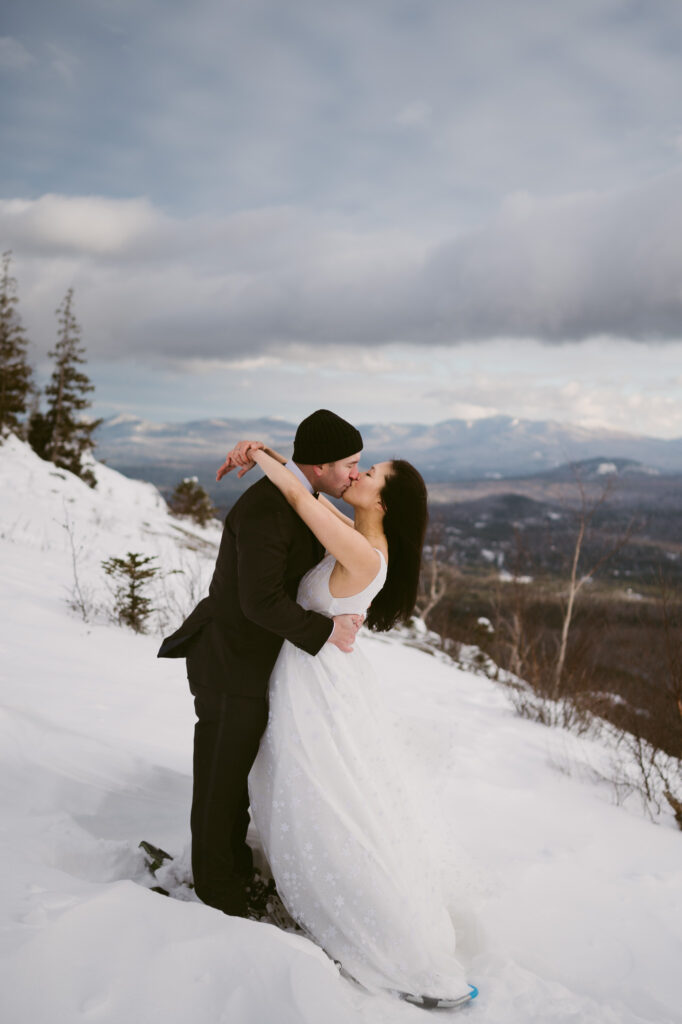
point(318, 470)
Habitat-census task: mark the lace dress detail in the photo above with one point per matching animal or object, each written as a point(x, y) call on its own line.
point(341, 827)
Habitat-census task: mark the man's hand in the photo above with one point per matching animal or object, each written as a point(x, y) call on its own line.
point(344, 631)
point(238, 457)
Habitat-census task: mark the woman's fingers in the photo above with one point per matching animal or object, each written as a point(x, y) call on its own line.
point(239, 456)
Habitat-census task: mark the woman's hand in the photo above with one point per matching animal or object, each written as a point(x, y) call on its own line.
point(239, 458)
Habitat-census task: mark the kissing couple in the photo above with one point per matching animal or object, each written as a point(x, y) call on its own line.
point(290, 719)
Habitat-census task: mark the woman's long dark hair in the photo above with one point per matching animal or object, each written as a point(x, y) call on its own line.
point(404, 498)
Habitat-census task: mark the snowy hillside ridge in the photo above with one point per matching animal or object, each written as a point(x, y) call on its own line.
point(51, 509)
point(468, 657)
point(567, 906)
point(638, 774)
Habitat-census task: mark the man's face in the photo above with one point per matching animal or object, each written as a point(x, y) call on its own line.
point(334, 477)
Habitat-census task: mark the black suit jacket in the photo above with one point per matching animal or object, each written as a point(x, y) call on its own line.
point(232, 638)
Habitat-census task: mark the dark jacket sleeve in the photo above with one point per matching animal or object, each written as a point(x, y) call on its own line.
point(263, 542)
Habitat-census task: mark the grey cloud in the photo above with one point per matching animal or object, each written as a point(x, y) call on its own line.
point(557, 270)
point(13, 55)
point(222, 105)
point(566, 269)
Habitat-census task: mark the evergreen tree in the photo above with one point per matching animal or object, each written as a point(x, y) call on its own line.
point(70, 437)
point(190, 499)
point(39, 433)
point(131, 575)
point(15, 372)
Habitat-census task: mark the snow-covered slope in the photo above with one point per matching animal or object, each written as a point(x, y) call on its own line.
point(51, 510)
point(571, 906)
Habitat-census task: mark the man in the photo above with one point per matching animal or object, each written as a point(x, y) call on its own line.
point(231, 641)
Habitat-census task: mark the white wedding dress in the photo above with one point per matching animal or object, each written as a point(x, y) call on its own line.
point(341, 828)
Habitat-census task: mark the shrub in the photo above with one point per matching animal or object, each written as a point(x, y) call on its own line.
point(131, 575)
point(190, 499)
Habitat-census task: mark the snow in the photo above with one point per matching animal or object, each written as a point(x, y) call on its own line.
point(51, 510)
point(571, 905)
point(504, 576)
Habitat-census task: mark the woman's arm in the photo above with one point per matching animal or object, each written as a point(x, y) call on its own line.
point(350, 548)
point(275, 455)
point(239, 456)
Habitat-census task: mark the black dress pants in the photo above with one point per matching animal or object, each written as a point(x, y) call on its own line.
point(226, 739)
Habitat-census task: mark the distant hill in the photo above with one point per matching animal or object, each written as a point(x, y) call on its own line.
point(454, 450)
point(599, 470)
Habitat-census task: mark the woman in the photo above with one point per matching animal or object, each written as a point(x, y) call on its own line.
point(338, 824)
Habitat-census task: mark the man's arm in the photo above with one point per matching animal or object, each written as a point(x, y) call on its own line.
point(264, 538)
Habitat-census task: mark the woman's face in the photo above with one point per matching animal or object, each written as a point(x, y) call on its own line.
point(366, 490)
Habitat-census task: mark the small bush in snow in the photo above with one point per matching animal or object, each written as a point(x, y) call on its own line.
point(131, 575)
point(190, 499)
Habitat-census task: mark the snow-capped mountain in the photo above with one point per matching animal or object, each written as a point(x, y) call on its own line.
point(569, 904)
point(451, 450)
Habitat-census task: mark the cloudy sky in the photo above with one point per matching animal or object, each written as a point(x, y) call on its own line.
point(403, 209)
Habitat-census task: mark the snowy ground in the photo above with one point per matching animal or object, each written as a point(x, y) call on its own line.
point(574, 905)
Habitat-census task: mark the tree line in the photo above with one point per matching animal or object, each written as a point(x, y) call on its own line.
point(60, 433)
point(55, 424)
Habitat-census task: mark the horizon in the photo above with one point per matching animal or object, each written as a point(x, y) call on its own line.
point(123, 416)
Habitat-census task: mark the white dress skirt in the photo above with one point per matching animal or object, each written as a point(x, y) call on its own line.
point(340, 824)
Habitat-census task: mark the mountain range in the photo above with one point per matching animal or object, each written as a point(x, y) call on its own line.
point(493, 447)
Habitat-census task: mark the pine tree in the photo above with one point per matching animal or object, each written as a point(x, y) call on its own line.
point(70, 437)
point(15, 372)
point(190, 499)
point(38, 432)
point(131, 575)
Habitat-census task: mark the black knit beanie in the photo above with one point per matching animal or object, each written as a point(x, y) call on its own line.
point(325, 437)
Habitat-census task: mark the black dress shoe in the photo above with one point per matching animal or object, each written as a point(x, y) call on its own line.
point(259, 892)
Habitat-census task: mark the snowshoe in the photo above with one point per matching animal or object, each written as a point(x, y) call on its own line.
point(433, 1003)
